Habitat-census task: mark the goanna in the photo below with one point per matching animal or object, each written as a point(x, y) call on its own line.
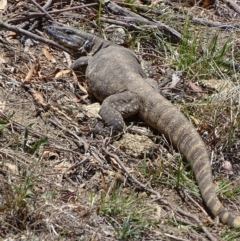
point(115, 76)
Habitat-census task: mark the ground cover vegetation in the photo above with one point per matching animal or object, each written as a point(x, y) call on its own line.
point(63, 179)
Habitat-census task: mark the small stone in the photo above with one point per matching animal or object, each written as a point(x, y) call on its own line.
point(135, 145)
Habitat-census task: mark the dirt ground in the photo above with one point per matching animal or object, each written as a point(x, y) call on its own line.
point(62, 176)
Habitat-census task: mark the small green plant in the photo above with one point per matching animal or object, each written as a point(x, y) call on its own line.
point(18, 202)
point(128, 210)
point(226, 190)
point(49, 196)
point(132, 6)
point(26, 133)
point(36, 144)
point(184, 178)
point(228, 234)
point(4, 123)
point(150, 172)
point(127, 230)
point(196, 59)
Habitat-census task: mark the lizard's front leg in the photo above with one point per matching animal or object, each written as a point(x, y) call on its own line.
point(80, 63)
point(118, 106)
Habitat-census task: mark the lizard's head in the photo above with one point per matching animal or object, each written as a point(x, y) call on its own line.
point(70, 38)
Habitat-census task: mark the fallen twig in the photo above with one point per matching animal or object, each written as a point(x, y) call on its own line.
point(126, 171)
point(159, 197)
point(74, 166)
point(42, 10)
point(79, 141)
point(196, 203)
point(120, 23)
point(175, 36)
point(199, 206)
point(21, 127)
point(233, 5)
point(37, 15)
point(140, 8)
point(195, 218)
point(31, 35)
point(213, 24)
point(183, 17)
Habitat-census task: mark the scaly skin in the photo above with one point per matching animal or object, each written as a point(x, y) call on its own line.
point(114, 75)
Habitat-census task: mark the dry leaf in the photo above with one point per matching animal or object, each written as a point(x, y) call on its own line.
point(29, 74)
point(116, 163)
point(227, 167)
point(75, 78)
point(68, 58)
point(196, 89)
point(63, 72)
point(62, 167)
point(12, 168)
point(104, 186)
point(92, 110)
point(175, 80)
point(38, 96)
point(155, 2)
point(83, 90)
point(2, 60)
point(35, 68)
point(158, 213)
point(48, 55)
point(196, 121)
point(3, 4)
point(218, 84)
point(207, 3)
point(67, 195)
point(84, 96)
point(50, 154)
point(11, 35)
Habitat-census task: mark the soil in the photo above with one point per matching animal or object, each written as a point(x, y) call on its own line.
point(59, 169)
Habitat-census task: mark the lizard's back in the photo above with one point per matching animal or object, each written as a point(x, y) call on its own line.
point(115, 70)
point(110, 71)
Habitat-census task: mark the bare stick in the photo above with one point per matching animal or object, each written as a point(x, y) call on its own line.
point(42, 10)
point(35, 14)
point(47, 4)
point(233, 5)
point(130, 16)
point(74, 166)
point(175, 208)
point(31, 35)
point(120, 23)
point(127, 172)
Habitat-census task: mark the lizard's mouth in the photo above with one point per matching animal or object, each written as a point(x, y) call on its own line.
point(65, 37)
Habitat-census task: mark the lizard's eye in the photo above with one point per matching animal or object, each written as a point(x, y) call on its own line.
point(69, 32)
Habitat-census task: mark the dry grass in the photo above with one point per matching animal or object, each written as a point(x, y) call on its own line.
point(58, 183)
